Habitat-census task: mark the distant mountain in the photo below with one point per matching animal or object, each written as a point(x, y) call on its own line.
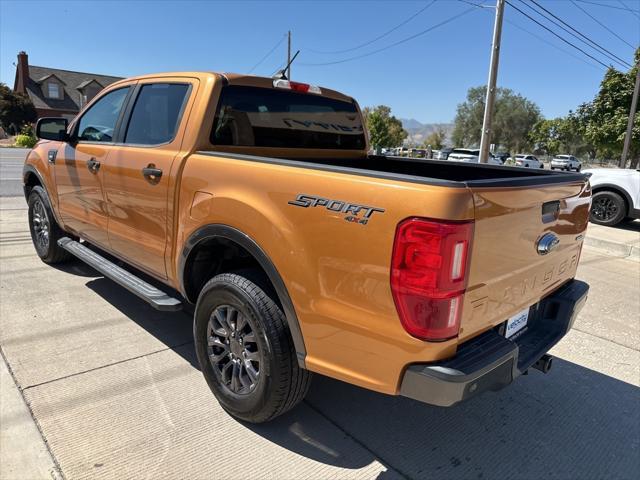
point(411, 123)
point(418, 132)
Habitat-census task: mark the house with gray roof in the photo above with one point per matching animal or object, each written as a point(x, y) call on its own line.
point(55, 92)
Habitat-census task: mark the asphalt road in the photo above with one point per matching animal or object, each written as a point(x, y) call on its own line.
point(115, 392)
point(11, 163)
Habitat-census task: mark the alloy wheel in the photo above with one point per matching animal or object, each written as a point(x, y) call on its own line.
point(604, 208)
point(41, 225)
point(233, 349)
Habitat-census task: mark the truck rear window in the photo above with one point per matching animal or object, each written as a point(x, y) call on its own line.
point(264, 117)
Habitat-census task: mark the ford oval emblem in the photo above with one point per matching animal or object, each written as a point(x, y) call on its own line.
point(547, 242)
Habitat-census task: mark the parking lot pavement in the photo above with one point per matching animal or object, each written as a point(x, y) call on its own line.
point(116, 391)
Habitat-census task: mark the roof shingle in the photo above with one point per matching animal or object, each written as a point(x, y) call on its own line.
point(72, 81)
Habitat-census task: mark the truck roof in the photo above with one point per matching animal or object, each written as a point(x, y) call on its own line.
point(234, 79)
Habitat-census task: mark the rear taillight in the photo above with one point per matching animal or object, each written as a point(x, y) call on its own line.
point(429, 276)
point(296, 86)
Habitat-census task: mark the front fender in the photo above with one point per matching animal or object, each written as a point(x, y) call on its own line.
point(36, 164)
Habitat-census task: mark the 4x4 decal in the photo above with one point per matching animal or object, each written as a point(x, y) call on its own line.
point(351, 210)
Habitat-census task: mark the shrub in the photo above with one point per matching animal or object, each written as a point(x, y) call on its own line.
point(26, 141)
point(27, 129)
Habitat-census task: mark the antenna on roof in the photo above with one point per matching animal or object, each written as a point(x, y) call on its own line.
point(282, 74)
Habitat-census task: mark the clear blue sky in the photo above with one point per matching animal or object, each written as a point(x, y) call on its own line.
point(424, 78)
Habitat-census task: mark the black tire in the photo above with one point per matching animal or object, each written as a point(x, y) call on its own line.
point(579, 168)
point(277, 383)
point(607, 208)
point(45, 231)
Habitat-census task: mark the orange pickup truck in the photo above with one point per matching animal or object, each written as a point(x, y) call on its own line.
point(255, 199)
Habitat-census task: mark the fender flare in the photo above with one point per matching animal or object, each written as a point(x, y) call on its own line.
point(28, 169)
point(230, 233)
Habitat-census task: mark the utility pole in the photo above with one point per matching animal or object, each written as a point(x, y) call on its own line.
point(632, 115)
point(485, 140)
point(289, 55)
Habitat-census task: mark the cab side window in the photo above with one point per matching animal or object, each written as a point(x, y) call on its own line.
point(156, 113)
point(99, 122)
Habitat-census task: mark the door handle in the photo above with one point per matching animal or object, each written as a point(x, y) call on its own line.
point(151, 173)
point(93, 165)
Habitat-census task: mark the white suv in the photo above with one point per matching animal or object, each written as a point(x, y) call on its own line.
point(615, 195)
point(566, 162)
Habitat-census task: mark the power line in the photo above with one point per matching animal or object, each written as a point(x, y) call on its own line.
point(607, 5)
point(552, 44)
point(267, 55)
point(601, 24)
point(479, 5)
point(404, 22)
point(555, 34)
point(606, 52)
point(544, 40)
point(635, 12)
point(404, 40)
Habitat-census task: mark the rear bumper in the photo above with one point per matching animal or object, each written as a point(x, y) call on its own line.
point(490, 361)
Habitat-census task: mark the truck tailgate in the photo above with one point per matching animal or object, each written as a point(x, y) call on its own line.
point(507, 272)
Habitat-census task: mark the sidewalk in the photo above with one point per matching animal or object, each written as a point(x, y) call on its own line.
point(621, 241)
point(23, 453)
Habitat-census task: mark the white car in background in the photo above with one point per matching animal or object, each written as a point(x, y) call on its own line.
point(615, 195)
point(527, 161)
point(566, 162)
point(468, 155)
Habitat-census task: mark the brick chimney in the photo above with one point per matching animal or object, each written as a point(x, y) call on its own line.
point(22, 73)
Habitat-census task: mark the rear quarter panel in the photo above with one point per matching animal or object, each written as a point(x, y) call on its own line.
point(336, 272)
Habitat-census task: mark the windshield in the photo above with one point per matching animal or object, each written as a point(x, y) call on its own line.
point(264, 117)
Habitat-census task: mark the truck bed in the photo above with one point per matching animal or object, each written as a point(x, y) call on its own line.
point(430, 172)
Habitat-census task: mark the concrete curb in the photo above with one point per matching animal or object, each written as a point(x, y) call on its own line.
point(615, 249)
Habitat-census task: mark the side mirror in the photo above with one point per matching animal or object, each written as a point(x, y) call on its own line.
point(52, 128)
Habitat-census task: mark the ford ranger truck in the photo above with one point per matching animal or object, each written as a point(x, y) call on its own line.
point(255, 200)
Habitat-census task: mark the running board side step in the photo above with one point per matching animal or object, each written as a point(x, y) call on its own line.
point(153, 296)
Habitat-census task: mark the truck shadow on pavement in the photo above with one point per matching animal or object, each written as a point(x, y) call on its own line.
point(571, 423)
point(174, 329)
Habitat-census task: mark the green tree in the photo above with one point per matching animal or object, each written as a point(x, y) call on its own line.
point(384, 129)
point(604, 119)
point(16, 109)
point(545, 136)
point(435, 139)
point(513, 118)
point(561, 135)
